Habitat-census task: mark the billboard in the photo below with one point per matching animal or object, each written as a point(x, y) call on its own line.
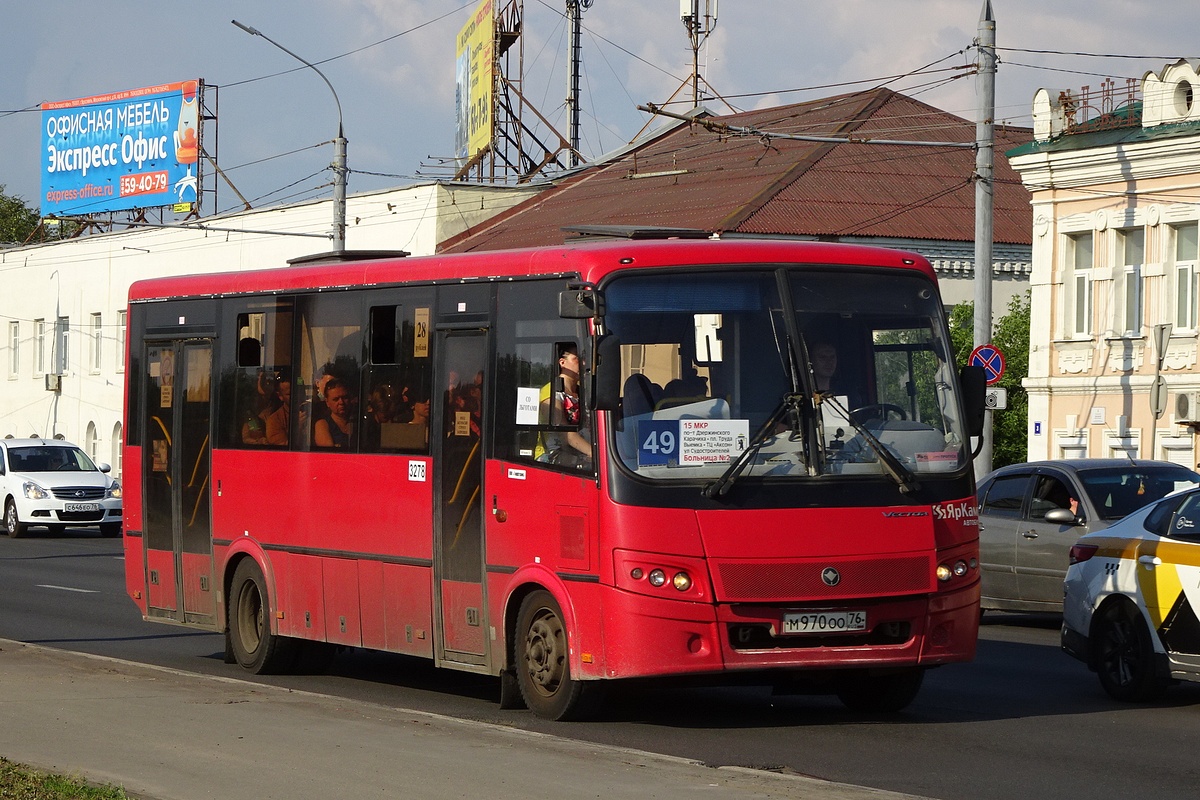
point(133, 149)
point(474, 79)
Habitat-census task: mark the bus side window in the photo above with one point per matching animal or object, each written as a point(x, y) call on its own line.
point(331, 352)
point(255, 388)
point(529, 337)
point(397, 378)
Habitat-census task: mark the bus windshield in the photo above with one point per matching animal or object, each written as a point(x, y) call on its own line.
point(784, 372)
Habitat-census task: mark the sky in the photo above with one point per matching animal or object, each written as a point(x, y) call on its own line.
point(392, 64)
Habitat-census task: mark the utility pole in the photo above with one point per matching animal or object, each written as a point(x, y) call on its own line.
point(340, 170)
point(984, 195)
point(575, 9)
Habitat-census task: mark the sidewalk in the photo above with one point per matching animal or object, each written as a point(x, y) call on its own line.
point(170, 735)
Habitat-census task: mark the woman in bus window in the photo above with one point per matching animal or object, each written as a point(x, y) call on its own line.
point(335, 429)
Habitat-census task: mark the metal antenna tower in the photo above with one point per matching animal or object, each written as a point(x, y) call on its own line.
point(575, 9)
point(699, 28)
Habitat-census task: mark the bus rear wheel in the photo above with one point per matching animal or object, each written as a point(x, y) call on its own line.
point(543, 660)
point(882, 692)
point(255, 647)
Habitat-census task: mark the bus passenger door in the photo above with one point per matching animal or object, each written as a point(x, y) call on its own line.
point(177, 526)
point(458, 436)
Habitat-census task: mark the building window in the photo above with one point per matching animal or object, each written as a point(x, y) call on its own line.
point(90, 440)
point(39, 347)
point(97, 342)
point(1132, 243)
point(1186, 256)
point(1080, 251)
point(121, 341)
point(14, 348)
point(118, 444)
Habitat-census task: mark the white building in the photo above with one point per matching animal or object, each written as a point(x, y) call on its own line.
point(1114, 177)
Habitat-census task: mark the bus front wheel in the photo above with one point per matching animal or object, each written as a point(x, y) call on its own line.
point(882, 691)
point(543, 662)
point(255, 647)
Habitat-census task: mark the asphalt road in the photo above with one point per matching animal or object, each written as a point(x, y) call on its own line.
point(1022, 720)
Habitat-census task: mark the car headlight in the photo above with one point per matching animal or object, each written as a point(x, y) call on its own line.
point(33, 491)
point(114, 491)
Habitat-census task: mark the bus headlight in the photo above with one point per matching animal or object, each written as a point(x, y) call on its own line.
point(682, 581)
point(956, 570)
point(657, 577)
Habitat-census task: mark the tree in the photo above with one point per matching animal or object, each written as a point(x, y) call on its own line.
point(17, 220)
point(1011, 335)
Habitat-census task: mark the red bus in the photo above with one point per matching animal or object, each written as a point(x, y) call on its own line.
point(728, 459)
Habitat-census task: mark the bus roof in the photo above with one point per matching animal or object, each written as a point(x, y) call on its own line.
point(591, 260)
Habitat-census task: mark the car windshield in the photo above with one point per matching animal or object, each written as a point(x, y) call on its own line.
point(48, 458)
point(783, 372)
point(1116, 492)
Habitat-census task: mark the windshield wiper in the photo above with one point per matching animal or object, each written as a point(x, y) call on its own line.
point(898, 472)
point(788, 406)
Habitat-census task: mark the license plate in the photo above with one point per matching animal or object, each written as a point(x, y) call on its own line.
point(82, 507)
point(825, 622)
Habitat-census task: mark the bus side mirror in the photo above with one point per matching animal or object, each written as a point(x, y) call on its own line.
point(607, 373)
point(974, 389)
point(580, 303)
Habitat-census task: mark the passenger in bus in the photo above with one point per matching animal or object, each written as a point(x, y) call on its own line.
point(571, 448)
point(639, 395)
point(336, 428)
point(691, 387)
point(385, 404)
point(278, 420)
point(263, 404)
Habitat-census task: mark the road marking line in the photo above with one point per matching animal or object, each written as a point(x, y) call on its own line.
point(66, 588)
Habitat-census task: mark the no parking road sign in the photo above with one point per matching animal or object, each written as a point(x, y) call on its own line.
point(991, 359)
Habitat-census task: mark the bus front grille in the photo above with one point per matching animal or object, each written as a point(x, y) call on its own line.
point(822, 579)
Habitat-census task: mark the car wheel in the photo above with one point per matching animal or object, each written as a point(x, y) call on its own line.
point(110, 530)
point(1125, 660)
point(12, 524)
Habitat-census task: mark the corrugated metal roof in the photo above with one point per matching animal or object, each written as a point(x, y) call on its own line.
point(691, 177)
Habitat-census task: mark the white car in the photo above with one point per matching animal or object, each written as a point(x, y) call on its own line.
point(1131, 598)
point(53, 483)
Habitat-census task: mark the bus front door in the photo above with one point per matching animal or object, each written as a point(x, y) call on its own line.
point(177, 527)
point(459, 415)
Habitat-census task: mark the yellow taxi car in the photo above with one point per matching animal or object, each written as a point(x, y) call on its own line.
point(1131, 596)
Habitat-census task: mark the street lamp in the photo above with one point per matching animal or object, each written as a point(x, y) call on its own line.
point(339, 153)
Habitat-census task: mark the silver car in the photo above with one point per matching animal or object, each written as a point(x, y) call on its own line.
point(1031, 514)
